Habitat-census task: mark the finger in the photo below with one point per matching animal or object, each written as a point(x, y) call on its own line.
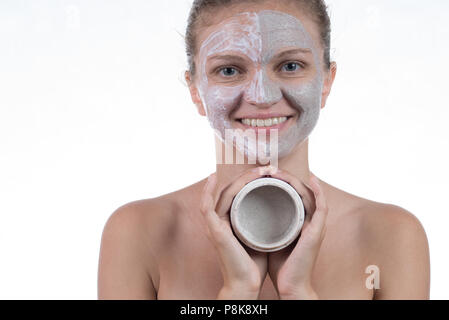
point(228, 193)
point(260, 258)
point(312, 233)
point(207, 204)
point(320, 216)
point(233, 257)
point(234, 260)
point(300, 187)
point(212, 189)
point(275, 262)
point(207, 198)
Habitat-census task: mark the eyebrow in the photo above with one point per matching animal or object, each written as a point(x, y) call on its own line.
point(227, 57)
point(293, 51)
point(278, 56)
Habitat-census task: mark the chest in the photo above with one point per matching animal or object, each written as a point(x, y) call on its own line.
point(191, 270)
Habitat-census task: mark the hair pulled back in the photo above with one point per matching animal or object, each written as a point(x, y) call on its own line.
point(317, 9)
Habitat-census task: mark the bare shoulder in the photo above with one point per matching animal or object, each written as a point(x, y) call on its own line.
point(392, 239)
point(127, 269)
point(142, 220)
point(133, 238)
point(388, 223)
point(152, 219)
point(376, 220)
point(388, 227)
point(399, 248)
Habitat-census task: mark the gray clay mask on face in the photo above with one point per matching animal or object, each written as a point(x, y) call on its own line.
point(260, 37)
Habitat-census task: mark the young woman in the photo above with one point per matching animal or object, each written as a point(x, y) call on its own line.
point(253, 65)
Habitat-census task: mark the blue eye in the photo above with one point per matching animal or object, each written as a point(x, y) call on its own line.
point(228, 71)
point(291, 67)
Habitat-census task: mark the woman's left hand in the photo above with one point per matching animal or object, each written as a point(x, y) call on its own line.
point(291, 269)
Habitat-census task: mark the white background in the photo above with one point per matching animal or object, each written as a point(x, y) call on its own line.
point(94, 114)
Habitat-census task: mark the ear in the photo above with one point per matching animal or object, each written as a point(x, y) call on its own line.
point(328, 81)
point(195, 95)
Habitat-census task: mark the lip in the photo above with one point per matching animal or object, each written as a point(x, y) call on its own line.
point(263, 116)
point(280, 127)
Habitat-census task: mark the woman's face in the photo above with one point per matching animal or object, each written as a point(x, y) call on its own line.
point(254, 69)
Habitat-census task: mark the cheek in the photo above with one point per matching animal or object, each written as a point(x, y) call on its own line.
point(307, 100)
point(221, 100)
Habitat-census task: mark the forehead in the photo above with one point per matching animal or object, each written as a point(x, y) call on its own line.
point(256, 31)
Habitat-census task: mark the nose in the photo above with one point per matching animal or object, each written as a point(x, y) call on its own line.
point(261, 91)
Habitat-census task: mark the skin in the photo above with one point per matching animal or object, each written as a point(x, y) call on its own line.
point(179, 245)
point(265, 71)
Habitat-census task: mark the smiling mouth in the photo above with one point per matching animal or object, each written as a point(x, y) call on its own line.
point(269, 123)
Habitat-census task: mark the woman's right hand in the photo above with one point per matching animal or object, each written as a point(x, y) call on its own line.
point(243, 270)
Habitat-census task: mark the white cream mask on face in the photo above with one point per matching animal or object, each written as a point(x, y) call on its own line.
point(258, 37)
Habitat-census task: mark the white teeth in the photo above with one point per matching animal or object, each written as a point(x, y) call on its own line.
point(268, 122)
point(264, 122)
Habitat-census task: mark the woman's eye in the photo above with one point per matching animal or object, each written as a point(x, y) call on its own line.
point(228, 71)
point(291, 67)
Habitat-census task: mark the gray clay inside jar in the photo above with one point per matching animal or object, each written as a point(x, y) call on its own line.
point(266, 214)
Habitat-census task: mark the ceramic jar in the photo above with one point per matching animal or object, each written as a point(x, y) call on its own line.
point(267, 214)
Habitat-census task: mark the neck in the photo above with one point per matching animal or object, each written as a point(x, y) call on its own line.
point(295, 163)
